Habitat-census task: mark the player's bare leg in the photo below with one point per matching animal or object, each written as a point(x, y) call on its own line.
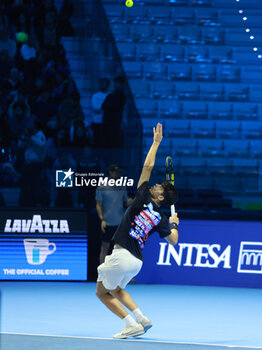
point(110, 301)
point(132, 328)
point(126, 299)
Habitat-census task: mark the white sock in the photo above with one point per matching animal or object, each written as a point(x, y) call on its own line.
point(129, 321)
point(138, 314)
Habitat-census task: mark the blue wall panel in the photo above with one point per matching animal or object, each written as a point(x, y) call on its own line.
point(209, 252)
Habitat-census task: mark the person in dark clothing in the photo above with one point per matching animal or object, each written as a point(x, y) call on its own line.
point(19, 119)
point(44, 108)
point(140, 221)
point(97, 101)
point(113, 107)
point(78, 138)
point(12, 85)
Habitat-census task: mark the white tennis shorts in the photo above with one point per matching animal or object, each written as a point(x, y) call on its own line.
point(118, 269)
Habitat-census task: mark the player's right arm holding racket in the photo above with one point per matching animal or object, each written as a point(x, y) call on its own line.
point(173, 219)
point(173, 237)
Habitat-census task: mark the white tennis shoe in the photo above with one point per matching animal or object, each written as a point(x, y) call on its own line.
point(146, 323)
point(130, 331)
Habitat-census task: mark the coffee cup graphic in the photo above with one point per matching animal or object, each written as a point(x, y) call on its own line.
point(37, 250)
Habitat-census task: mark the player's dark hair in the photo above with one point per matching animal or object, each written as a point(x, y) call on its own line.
point(170, 194)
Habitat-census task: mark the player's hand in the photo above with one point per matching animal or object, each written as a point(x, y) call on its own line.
point(103, 225)
point(158, 133)
point(174, 219)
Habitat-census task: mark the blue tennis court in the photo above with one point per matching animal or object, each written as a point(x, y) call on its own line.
point(69, 316)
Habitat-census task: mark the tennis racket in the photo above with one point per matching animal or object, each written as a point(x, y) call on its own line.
point(170, 176)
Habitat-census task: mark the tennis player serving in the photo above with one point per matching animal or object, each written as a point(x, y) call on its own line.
point(140, 221)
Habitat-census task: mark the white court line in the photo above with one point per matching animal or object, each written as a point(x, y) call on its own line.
point(134, 340)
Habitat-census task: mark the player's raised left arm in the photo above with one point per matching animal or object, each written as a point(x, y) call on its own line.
point(151, 155)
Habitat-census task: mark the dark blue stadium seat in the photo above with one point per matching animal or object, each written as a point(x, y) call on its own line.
point(191, 65)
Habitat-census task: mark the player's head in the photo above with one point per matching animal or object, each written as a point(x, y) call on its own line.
point(164, 194)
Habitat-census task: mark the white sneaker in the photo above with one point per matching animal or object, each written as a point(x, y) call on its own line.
point(146, 323)
point(130, 331)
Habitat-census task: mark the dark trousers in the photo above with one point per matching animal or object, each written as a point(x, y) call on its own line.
point(112, 136)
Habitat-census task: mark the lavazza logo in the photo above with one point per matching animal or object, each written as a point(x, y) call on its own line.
point(212, 256)
point(70, 179)
point(36, 224)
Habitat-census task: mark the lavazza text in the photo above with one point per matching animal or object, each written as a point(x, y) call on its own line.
point(37, 224)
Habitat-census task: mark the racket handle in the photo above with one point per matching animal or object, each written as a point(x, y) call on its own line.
point(173, 210)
